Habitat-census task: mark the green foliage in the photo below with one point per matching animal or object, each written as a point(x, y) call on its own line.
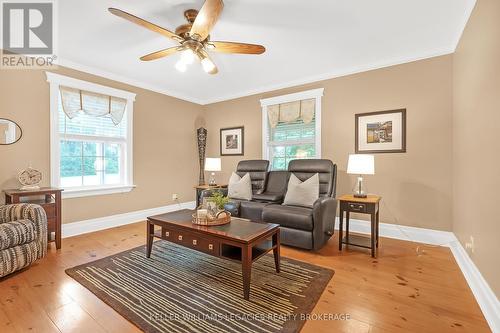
point(76, 155)
point(282, 155)
point(219, 199)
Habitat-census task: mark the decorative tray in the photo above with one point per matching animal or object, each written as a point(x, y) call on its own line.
point(222, 217)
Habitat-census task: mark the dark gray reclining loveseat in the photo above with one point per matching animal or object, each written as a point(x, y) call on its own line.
point(304, 227)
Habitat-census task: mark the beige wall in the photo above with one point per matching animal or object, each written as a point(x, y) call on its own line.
point(165, 153)
point(476, 124)
point(416, 186)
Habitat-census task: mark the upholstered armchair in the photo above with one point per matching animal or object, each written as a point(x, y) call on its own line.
point(23, 236)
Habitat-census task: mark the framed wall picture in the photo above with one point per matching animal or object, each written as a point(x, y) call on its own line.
point(381, 132)
point(232, 141)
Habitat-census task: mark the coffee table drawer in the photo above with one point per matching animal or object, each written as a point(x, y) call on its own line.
point(203, 245)
point(194, 242)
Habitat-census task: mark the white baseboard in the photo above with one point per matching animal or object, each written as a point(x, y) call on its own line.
point(485, 297)
point(413, 234)
point(106, 222)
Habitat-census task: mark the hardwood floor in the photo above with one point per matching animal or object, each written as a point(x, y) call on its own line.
point(410, 287)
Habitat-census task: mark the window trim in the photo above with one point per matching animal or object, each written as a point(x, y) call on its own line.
point(317, 94)
point(56, 80)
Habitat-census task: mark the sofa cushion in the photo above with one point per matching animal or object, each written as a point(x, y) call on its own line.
point(16, 233)
point(269, 197)
point(240, 187)
point(252, 210)
point(258, 173)
point(289, 216)
point(302, 193)
point(326, 170)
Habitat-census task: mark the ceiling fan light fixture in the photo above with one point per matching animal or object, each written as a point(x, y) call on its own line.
point(181, 66)
point(187, 56)
point(208, 65)
point(193, 37)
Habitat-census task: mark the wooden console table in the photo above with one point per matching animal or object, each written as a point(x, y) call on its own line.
point(369, 205)
point(47, 197)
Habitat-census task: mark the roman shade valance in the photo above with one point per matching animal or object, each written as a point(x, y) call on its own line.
point(291, 112)
point(75, 101)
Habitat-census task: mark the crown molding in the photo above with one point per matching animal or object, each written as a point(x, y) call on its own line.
point(283, 85)
point(328, 76)
point(90, 86)
point(119, 78)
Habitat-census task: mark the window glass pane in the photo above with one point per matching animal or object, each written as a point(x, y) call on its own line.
point(71, 171)
point(71, 148)
point(278, 151)
point(291, 140)
point(295, 131)
point(279, 163)
point(292, 152)
point(112, 172)
point(301, 151)
point(92, 150)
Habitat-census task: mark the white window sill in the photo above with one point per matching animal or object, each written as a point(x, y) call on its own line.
point(94, 191)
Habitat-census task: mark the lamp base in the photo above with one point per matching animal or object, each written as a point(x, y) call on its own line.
point(211, 180)
point(358, 191)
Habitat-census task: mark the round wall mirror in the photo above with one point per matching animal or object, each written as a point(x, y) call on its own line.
point(10, 132)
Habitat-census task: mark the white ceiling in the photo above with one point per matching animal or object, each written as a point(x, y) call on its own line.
point(306, 40)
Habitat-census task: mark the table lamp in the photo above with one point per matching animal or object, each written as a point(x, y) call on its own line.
point(360, 164)
point(212, 164)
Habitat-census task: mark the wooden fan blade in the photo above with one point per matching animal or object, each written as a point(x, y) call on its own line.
point(145, 24)
point(206, 19)
point(160, 54)
point(233, 47)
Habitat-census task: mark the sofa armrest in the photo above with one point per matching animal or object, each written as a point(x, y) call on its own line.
point(324, 212)
point(25, 211)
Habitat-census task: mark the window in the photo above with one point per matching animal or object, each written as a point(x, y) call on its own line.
point(90, 154)
point(291, 127)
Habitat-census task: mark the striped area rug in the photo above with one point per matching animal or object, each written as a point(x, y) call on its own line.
point(182, 290)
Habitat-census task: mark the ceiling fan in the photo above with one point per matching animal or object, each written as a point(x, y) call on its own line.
point(193, 37)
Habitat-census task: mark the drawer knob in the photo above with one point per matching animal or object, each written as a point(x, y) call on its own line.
point(195, 242)
point(167, 234)
point(180, 237)
point(210, 246)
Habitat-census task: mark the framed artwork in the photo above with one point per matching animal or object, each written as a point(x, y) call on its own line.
point(381, 132)
point(232, 141)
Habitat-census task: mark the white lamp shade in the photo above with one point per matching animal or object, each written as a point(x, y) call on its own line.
point(212, 164)
point(361, 164)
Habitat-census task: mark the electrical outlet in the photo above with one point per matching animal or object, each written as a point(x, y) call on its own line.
point(175, 196)
point(470, 244)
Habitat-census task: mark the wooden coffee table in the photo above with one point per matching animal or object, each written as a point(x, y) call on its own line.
point(241, 240)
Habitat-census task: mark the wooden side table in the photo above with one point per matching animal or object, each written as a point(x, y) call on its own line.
point(201, 188)
point(47, 197)
point(369, 205)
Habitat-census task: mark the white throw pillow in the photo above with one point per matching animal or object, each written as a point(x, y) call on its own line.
point(240, 187)
point(302, 193)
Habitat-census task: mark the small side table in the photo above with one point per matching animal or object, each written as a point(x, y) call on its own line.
point(51, 203)
point(201, 188)
point(369, 205)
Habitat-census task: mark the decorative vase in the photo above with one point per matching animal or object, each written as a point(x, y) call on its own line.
point(202, 144)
